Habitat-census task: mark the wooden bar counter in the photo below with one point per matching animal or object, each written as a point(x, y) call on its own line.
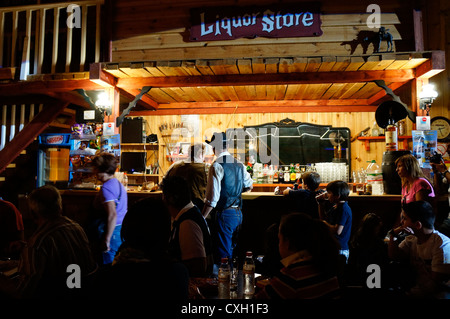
point(260, 210)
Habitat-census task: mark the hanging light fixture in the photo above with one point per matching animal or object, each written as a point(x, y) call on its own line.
point(103, 103)
point(427, 96)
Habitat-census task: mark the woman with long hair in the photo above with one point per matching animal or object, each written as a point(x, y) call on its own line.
point(415, 186)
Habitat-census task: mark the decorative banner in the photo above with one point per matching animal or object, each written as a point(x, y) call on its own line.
point(275, 21)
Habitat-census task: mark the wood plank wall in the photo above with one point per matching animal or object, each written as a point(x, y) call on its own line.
point(160, 30)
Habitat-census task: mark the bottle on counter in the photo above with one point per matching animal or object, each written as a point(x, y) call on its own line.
point(265, 179)
point(298, 173)
point(293, 175)
point(374, 176)
point(391, 136)
point(224, 278)
point(270, 176)
point(249, 274)
point(250, 168)
point(275, 174)
point(287, 175)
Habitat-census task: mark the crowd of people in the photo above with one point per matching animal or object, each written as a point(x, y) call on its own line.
point(311, 253)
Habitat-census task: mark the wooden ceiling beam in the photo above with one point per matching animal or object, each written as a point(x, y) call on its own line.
point(45, 87)
point(258, 107)
point(400, 75)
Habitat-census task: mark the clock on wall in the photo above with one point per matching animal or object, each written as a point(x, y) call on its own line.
point(442, 126)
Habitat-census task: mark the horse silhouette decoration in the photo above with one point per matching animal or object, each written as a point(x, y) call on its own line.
point(384, 35)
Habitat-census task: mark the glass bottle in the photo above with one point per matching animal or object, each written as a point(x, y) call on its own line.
point(249, 274)
point(293, 175)
point(224, 277)
point(391, 136)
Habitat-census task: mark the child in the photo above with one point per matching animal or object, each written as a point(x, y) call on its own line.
point(339, 216)
point(305, 198)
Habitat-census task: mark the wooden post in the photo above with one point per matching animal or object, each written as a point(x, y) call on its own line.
point(55, 38)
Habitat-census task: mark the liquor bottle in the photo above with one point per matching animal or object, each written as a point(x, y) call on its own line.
point(250, 169)
point(391, 136)
point(280, 175)
point(275, 174)
point(224, 279)
point(298, 173)
point(249, 274)
point(265, 179)
point(292, 174)
point(287, 176)
point(270, 176)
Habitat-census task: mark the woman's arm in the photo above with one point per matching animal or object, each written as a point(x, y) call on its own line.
point(111, 218)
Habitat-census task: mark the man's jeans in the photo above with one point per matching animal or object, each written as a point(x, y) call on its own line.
point(228, 223)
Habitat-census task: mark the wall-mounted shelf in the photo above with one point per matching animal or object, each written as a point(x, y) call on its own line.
point(368, 139)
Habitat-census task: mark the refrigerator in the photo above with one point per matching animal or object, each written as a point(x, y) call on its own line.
point(53, 160)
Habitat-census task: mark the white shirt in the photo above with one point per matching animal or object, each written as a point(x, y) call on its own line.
point(215, 176)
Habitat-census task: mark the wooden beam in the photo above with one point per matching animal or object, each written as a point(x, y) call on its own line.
point(253, 107)
point(44, 87)
point(431, 67)
point(268, 79)
point(24, 138)
point(101, 77)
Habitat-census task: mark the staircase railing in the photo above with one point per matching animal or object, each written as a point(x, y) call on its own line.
point(31, 37)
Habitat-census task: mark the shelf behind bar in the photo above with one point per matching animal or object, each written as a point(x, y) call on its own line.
point(367, 140)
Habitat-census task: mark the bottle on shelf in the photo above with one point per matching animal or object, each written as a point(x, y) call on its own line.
point(224, 278)
point(375, 129)
point(374, 176)
point(391, 136)
point(249, 274)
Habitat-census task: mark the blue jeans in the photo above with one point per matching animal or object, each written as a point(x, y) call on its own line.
point(228, 223)
point(114, 245)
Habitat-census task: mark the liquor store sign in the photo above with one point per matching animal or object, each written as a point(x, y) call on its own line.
point(275, 21)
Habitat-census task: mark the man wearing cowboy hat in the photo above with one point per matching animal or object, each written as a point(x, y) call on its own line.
point(227, 179)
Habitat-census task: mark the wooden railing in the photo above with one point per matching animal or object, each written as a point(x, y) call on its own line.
point(31, 37)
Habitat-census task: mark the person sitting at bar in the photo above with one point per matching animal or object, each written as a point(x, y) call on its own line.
point(112, 204)
point(142, 268)
point(367, 247)
point(194, 171)
point(305, 198)
point(57, 243)
point(310, 256)
point(190, 241)
point(415, 186)
point(441, 181)
point(339, 216)
point(425, 249)
point(11, 230)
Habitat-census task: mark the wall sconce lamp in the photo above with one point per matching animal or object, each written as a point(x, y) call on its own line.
point(427, 96)
point(104, 104)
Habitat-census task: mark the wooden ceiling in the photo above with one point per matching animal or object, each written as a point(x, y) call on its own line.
point(297, 84)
